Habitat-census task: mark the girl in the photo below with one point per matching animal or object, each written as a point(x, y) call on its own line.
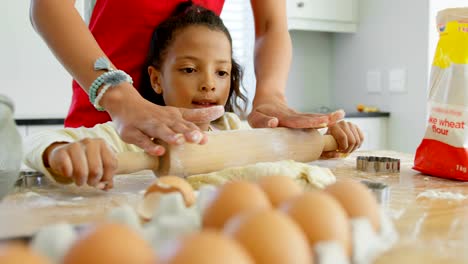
point(189, 65)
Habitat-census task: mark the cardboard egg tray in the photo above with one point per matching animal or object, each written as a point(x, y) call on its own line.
point(172, 220)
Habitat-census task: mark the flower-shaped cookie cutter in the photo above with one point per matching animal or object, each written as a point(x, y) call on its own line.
point(378, 164)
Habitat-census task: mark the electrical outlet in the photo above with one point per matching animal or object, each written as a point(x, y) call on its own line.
point(374, 83)
point(397, 81)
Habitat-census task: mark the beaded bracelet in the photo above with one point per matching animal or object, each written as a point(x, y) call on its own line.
point(99, 97)
point(110, 78)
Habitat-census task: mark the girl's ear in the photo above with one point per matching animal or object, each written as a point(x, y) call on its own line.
point(155, 79)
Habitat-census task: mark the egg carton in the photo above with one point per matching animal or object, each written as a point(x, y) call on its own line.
point(366, 243)
point(172, 220)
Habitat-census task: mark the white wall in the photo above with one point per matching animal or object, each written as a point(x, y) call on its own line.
point(308, 84)
point(391, 34)
point(29, 73)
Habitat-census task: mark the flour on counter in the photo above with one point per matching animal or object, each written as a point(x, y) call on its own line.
point(435, 194)
point(37, 200)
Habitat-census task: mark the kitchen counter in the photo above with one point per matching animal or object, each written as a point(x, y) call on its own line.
point(60, 121)
point(39, 121)
point(432, 230)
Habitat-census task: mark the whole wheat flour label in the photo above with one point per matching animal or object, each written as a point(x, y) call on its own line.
point(444, 150)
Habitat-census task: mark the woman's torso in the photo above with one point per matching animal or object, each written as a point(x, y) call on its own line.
point(123, 30)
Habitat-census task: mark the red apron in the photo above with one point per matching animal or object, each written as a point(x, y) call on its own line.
point(123, 30)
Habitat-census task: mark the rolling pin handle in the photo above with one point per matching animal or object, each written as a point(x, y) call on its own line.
point(329, 143)
point(129, 162)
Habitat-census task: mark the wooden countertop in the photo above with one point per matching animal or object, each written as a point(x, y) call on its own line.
point(432, 230)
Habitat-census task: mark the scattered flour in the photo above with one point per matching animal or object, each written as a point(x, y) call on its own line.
point(435, 194)
point(36, 200)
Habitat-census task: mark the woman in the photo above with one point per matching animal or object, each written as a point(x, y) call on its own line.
point(120, 31)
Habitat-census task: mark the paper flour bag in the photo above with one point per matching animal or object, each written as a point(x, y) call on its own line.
point(444, 150)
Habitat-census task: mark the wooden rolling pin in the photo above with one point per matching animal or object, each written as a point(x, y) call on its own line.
point(231, 148)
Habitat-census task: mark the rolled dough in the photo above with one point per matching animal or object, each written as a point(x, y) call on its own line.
point(308, 176)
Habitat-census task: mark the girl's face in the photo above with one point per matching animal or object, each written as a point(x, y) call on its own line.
point(196, 71)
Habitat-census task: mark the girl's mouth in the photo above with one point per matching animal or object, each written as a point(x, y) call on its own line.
point(203, 103)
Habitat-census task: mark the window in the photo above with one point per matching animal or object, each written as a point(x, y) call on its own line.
point(238, 18)
point(85, 7)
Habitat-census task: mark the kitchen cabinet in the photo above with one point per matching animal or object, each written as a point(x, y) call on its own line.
point(375, 131)
point(322, 15)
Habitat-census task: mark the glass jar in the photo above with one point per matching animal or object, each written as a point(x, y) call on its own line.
point(11, 149)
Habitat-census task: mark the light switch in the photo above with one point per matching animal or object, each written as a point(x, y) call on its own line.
point(397, 81)
point(374, 84)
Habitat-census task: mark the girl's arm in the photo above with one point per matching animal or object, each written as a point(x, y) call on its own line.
point(273, 53)
point(80, 155)
point(66, 34)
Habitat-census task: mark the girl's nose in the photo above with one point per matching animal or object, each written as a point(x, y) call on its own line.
point(207, 85)
point(207, 88)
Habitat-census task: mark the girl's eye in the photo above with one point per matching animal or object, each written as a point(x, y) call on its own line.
point(187, 70)
point(223, 73)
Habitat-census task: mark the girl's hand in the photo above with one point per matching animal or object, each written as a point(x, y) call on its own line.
point(348, 136)
point(89, 160)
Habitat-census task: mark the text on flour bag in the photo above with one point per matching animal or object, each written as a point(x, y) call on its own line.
point(443, 151)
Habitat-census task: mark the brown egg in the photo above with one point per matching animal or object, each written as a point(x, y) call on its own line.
point(357, 200)
point(231, 199)
point(321, 218)
point(205, 247)
point(110, 243)
point(270, 236)
point(279, 188)
point(14, 253)
point(164, 185)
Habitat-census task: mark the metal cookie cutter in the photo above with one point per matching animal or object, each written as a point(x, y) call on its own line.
point(378, 164)
point(380, 190)
point(30, 179)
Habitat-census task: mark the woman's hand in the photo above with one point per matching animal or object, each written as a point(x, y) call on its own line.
point(275, 113)
point(138, 121)
point(89, 161)
point(348, 136)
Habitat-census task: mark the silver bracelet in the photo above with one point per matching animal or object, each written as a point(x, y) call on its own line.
point(110, 78)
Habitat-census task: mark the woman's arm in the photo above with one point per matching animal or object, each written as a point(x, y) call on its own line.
point(273, 52)
point(138, 121)
point(273, 48)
